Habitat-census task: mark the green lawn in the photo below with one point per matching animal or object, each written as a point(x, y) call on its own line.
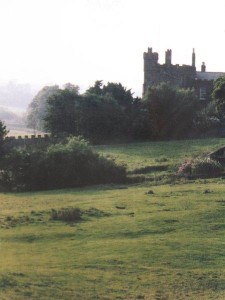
point(141, 242)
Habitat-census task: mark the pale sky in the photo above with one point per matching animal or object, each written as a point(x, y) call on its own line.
point(81, 41)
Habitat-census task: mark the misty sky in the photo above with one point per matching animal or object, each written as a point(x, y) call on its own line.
point(80, 41)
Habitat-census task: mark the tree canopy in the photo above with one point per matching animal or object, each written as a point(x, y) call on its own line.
point(218, 95)
point(37, 109)
point(171, 111)
point(110, 113)
point(101, 114)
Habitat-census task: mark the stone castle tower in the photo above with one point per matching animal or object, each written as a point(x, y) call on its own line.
point(184, 76)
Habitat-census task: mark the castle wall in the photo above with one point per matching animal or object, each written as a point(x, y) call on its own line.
point(33, 140)
point(179, 76)
point(154, 73)
point(184, 76)
point(204, 89)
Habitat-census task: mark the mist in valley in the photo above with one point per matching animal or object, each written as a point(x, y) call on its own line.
point(14, 100)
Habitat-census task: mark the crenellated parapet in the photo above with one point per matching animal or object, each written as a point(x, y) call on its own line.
point(181, 76)
point(28, 140)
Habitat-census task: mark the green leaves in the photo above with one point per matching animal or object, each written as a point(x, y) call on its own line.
point(171, 111)
point(218, 95)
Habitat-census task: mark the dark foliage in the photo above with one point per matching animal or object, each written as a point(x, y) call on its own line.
point(63, 113)
point(208, 120)
point(110, 114)
point(103, 114)
point(171, 111)
point(72, 164)
point(218, 95)
point(3, 133)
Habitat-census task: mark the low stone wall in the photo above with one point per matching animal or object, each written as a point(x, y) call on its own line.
point(19, 141)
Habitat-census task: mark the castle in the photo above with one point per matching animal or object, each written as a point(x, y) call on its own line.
point(184, 76)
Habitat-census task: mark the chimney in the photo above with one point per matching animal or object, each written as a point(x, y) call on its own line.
point(168, 57)
point(193, 58)
point(203, 67)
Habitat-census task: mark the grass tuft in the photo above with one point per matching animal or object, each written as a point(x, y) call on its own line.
point(66, 215)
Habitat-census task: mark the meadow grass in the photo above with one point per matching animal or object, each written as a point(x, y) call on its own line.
point(139, 155)
point(148, 242)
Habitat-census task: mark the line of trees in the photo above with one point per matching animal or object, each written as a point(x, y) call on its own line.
point(104, 113)
point(110, 113)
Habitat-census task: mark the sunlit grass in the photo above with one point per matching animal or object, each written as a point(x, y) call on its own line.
point(170, 153)
point(170, 243)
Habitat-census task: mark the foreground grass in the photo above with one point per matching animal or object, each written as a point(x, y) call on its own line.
point(168, 244)
point(146, 242)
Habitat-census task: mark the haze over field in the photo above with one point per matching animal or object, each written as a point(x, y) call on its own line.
point(79, 41)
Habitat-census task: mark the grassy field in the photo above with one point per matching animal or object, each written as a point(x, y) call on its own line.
point(171, 153)
point(133, 242)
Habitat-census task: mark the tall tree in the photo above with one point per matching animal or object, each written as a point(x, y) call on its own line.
point(123, 96)
point(171, 111)
point(3, 133)
point(38, 108)
point(63, 113)
point(96, 89)
point(102, 118)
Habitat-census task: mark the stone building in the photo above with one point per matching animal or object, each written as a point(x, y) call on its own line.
point(184, 76)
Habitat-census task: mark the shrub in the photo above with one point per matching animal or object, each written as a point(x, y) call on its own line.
point(66, 214)
point(161, 159)
point(185, 168)
point(72, 164)
point(200, 166)
point(206, 166)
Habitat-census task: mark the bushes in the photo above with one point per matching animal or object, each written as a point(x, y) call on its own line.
point(72, 164)
point(185, 168)
point(206, 167)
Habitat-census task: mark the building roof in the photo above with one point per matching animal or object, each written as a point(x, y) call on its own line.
point(209, 75)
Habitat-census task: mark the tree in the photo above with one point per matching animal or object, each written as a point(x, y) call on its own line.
point(96, 89)
point(101, 118)
point(3, 133)
point(127, 104)
point(71, 87)
point(218, 95)
point(103, 114)
point(123, 96)
point(38, 107)
point(207, 120)
point(63, 113)
point(171, 111)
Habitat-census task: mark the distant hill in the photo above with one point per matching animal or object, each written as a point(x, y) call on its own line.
point(16, 95)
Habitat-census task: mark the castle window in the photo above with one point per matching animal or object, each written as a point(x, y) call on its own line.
point(202, 93)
